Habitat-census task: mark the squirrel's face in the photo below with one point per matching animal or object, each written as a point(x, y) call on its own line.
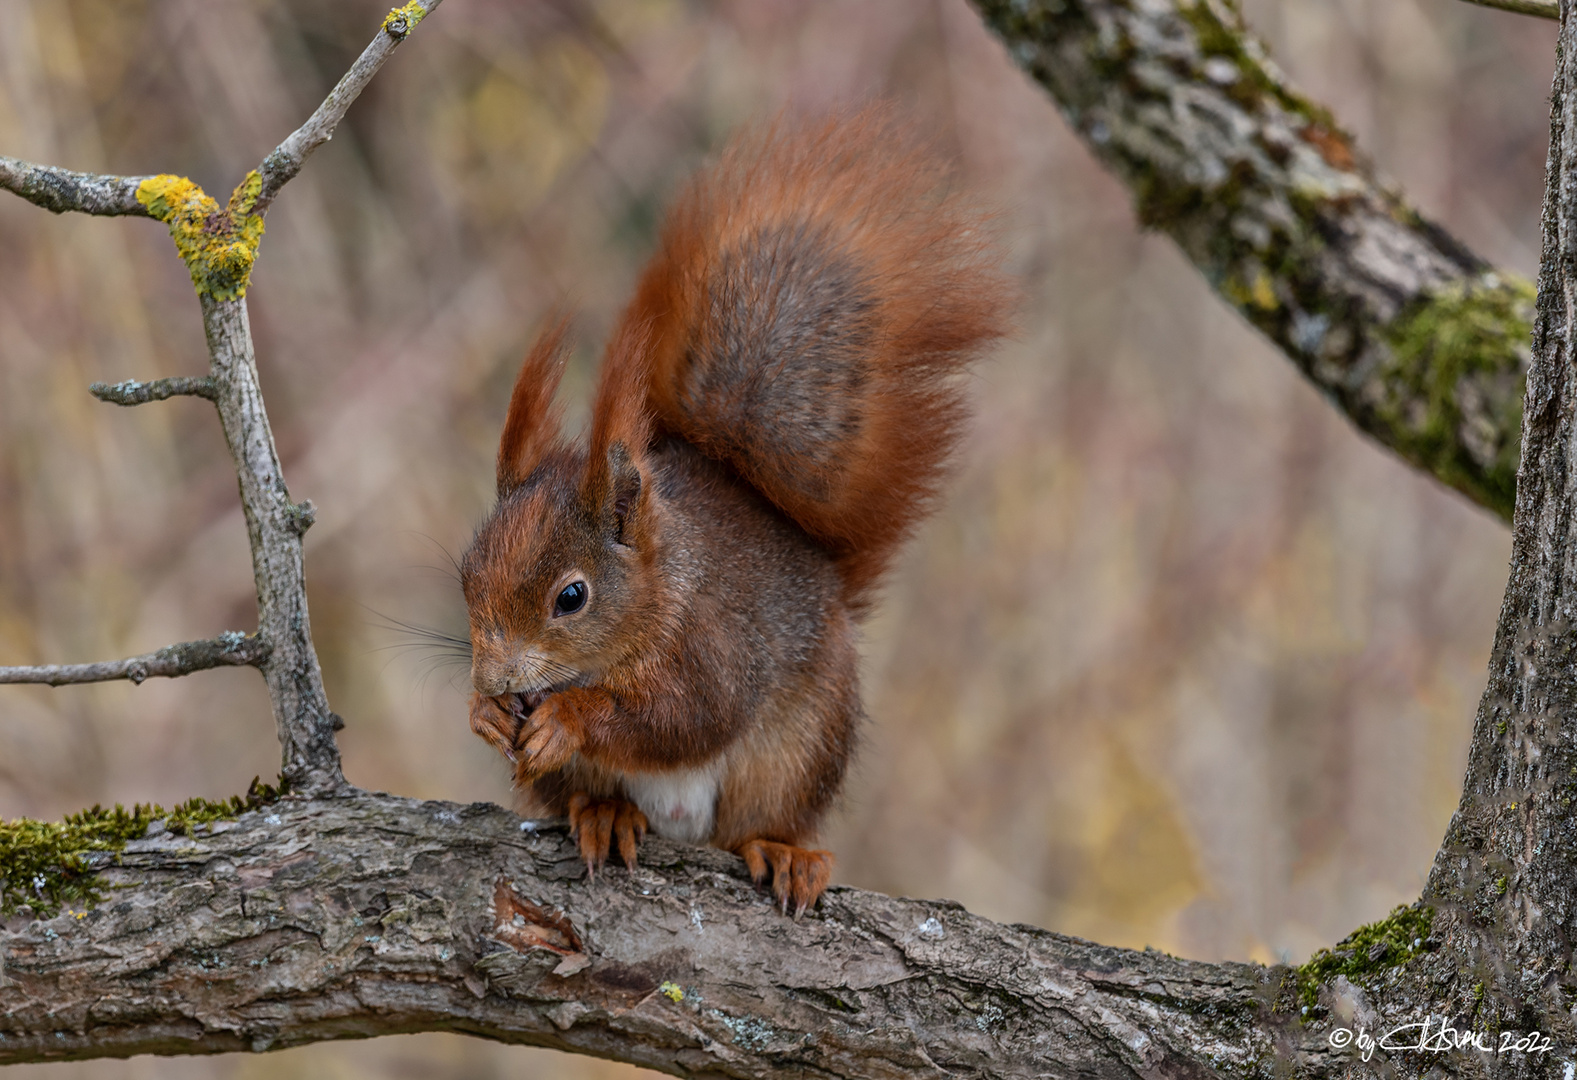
point(555, 573)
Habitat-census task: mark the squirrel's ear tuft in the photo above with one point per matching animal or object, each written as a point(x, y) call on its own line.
point(621, 486)
point(532, 427)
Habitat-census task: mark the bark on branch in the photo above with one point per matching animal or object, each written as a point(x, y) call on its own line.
point(228, 649)
point(59, 190)
point(1421, 343)
point(132, 392)
point(371, 914)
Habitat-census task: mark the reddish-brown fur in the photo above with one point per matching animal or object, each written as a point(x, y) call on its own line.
point(774, 416)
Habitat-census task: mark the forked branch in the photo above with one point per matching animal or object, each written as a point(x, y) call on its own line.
point(219, 245)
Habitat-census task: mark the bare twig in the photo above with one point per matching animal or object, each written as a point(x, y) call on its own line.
point(281, 166)
point(229, 648)
point(59, 190)
point(132, 392)
point(1545, 9)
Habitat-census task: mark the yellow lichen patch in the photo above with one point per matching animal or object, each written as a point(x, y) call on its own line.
point(218, 246)
point(672, 991)
point(1264, 292)
point(402, 20)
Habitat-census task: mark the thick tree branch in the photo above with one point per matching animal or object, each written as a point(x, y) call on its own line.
point(229, 648)
point(1507, 872)
point(281, 166)
point(132, 392)
point(59, 190)
point(371, 914)
point(1421, 343)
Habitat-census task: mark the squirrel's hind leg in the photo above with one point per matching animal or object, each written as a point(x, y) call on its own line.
point(598, 823)
point(799, 875)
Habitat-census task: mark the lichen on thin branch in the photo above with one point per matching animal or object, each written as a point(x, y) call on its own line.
point(218, 246)
point(230, 649)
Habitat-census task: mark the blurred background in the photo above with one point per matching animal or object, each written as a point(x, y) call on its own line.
point(1183, 661)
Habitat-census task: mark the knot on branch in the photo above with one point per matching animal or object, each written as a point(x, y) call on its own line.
point(303, 515)
point(218, 246)
point(402, 20)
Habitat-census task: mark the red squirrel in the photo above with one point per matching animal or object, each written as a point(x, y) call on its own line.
point(664, 620)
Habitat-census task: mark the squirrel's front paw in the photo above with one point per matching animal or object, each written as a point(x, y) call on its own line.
point(497, 721)
point(799, 875)
point(596, 824)
point(550, 734)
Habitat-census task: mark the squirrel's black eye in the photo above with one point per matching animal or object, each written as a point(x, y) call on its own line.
point(571, 599)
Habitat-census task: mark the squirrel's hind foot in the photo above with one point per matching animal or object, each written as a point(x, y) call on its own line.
point(596, 824)
point(799, 875)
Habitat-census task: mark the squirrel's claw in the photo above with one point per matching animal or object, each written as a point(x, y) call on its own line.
point(596, 824)
point(799, 875)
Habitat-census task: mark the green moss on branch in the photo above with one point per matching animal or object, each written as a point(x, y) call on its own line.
point(1456, 370)
point(1392, 941)
point(45, 865)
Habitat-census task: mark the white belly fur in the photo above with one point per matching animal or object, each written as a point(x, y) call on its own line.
point(679, 804)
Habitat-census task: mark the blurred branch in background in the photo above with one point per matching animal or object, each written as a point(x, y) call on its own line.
point(1544, 9)
point(1419, 341)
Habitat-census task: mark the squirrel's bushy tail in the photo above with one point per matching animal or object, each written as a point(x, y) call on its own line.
point(817, 292)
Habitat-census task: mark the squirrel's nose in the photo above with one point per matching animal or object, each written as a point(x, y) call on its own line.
point(490, 679)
